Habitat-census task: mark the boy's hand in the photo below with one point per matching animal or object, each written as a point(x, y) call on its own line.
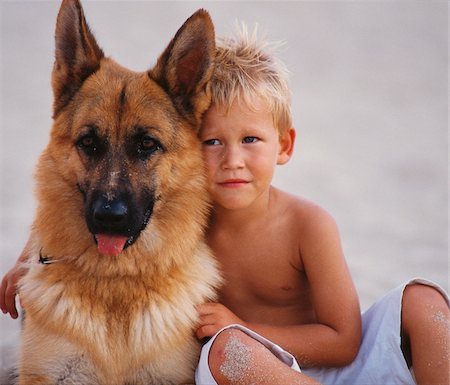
point(8, 290)
point(213, 317)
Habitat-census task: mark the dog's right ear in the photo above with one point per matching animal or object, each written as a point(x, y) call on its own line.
point(186, 66)
point(77, 54)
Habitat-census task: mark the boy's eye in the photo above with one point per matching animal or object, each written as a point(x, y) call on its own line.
point(250, 139)
point(211, 142)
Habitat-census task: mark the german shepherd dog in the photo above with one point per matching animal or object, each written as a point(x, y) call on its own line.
point(118, 260)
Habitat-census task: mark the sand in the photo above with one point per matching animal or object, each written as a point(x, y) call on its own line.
point(369, 82)
point(237, 359)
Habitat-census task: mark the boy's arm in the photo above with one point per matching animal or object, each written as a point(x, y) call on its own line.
point(334, 340)
point(8, 288)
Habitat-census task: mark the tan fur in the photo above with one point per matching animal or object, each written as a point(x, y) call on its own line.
point(128, 319)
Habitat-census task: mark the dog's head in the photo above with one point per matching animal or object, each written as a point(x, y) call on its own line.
point(123, 151)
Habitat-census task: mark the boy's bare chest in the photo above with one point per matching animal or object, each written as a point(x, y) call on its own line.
point(264, 279)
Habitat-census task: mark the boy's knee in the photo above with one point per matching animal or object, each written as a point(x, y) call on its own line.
point(230, 356)
point(418, 295)
point(422, 301)
point(237, 358)
point(423, 307)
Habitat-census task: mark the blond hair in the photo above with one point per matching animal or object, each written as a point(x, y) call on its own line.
point(247, 68)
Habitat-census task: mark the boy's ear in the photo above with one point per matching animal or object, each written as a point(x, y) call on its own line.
point(286, 146)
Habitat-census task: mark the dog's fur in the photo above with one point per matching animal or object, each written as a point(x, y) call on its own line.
point(123, 162)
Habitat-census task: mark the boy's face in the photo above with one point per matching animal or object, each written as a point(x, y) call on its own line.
point(241, 149)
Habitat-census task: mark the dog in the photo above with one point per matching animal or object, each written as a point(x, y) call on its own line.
point(118, 261)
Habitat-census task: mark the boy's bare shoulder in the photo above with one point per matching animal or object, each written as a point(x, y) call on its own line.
point(308, 226)
point(302, 212)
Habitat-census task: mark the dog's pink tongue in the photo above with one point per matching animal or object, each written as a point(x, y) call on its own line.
point(111, 245)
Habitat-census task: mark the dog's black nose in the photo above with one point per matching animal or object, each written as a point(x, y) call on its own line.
point(110, 213)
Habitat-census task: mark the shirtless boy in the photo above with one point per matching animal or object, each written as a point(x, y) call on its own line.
point(286, 276)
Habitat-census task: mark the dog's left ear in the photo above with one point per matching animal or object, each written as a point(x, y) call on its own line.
point(186, 66)
point(77, 54)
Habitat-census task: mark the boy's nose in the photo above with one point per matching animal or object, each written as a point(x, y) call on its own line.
point(232, 159)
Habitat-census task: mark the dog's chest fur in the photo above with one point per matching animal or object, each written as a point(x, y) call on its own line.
point(127, 321)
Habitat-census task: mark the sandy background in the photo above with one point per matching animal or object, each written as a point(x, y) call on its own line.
point(370, 88)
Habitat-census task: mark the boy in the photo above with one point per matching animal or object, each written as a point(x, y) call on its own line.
point(286, 276)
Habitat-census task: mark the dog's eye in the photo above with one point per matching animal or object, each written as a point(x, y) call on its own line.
point(87, 141)
point(89, 144)
point(148, 145)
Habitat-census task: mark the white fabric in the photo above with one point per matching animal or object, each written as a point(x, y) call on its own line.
point(379, 361)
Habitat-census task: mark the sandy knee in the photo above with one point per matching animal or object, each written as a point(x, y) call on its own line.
point(426, 331)
point(423, 304)
point(420, 298)
point(237, 358)
point(230, 356)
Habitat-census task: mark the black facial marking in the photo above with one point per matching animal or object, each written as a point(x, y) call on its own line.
point(82, 192)
point(91, 144)
point(143, 144)
point(126, 214)
point(121, 104)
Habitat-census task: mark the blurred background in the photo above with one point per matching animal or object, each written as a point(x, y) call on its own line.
point(370, 87)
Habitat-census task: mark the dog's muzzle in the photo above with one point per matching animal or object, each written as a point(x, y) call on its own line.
point(116, 223)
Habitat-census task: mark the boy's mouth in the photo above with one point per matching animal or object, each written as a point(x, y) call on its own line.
point(233, 183)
